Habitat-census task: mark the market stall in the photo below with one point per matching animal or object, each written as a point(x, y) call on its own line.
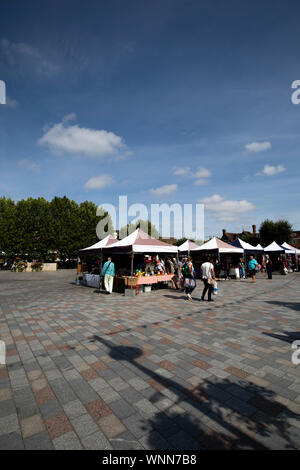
point(276, 253)
point(292, 256)
point(226, 257)
point(144, 249)
point(84, 270)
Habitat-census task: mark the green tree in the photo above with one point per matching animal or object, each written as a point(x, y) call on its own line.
point(88, 221)
point(279, 231)
point(250, 238)
point(144, 225)
point(7, 226)
point(66, 229)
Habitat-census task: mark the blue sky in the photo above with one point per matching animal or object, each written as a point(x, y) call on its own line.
point(163, 101)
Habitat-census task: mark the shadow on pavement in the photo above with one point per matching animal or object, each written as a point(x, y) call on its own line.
point(291, 305)
point(215, 414)
point(288, 336)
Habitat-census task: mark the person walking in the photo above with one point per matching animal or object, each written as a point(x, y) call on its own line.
point(108, 272)
point(208, 278)
point(268, 266)
point(241, 266)
point(188, 273)
point(252, 268)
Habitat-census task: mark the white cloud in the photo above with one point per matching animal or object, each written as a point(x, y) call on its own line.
point(64, 138)
point(202, 173)
point(182, 171)
point(165, 190)
point(270, 170)
point(29, 165)
point(258, 146)
point(22, 53)
point(99, 182)
point(201, 181)
point(199, 175)
point(225, 209)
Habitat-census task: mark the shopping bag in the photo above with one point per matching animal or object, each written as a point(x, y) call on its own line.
point(215, 288)
point(190, 283)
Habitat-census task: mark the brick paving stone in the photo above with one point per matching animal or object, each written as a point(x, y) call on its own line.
point(5, 394)
point(84, 425)
point(75, 408)
point(39, 441)
point(32, 425)
point(98, 409)
point(9, 424)
point(7, 408)
point(67, 441)
point(126, 441)
point(111, 426)
point(122, 409)
point(62, 390)
point(50, 409)
point(58, 425)
point(11, 441)
point(96, 441)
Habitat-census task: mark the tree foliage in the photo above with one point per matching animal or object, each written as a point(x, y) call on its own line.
point(43, 230)
point(250, 238)
point(144, 225)
point(279, 231)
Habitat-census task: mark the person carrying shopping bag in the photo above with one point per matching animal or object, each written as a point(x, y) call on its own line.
point(188, 273)
point(208, 278)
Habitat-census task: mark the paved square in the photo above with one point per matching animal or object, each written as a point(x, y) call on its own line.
point(89, 371)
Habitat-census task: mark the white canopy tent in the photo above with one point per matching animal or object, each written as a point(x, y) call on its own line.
point(259, 247)
point(248, 249)
point(140, 242)
point(215, 244)
point(187, 246)
point(273, 247)
point(290, 249)
point(97, 247)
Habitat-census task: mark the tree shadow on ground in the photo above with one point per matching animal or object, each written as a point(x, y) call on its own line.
point(287, 336)
point(290, 305)
point(214, 414)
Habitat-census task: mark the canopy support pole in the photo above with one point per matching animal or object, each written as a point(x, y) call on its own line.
point(101, 263)
point(131, 268)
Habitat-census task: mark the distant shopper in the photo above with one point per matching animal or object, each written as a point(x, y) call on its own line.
point(188, 273)
point(241, 266)
point(170, 268)
point(252, 268)
point(176, 273)
point(159, 267)
point(108, 272)
point(208, 278)
point(268, 266)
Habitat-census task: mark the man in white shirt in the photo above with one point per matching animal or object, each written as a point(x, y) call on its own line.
point(208, 274)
